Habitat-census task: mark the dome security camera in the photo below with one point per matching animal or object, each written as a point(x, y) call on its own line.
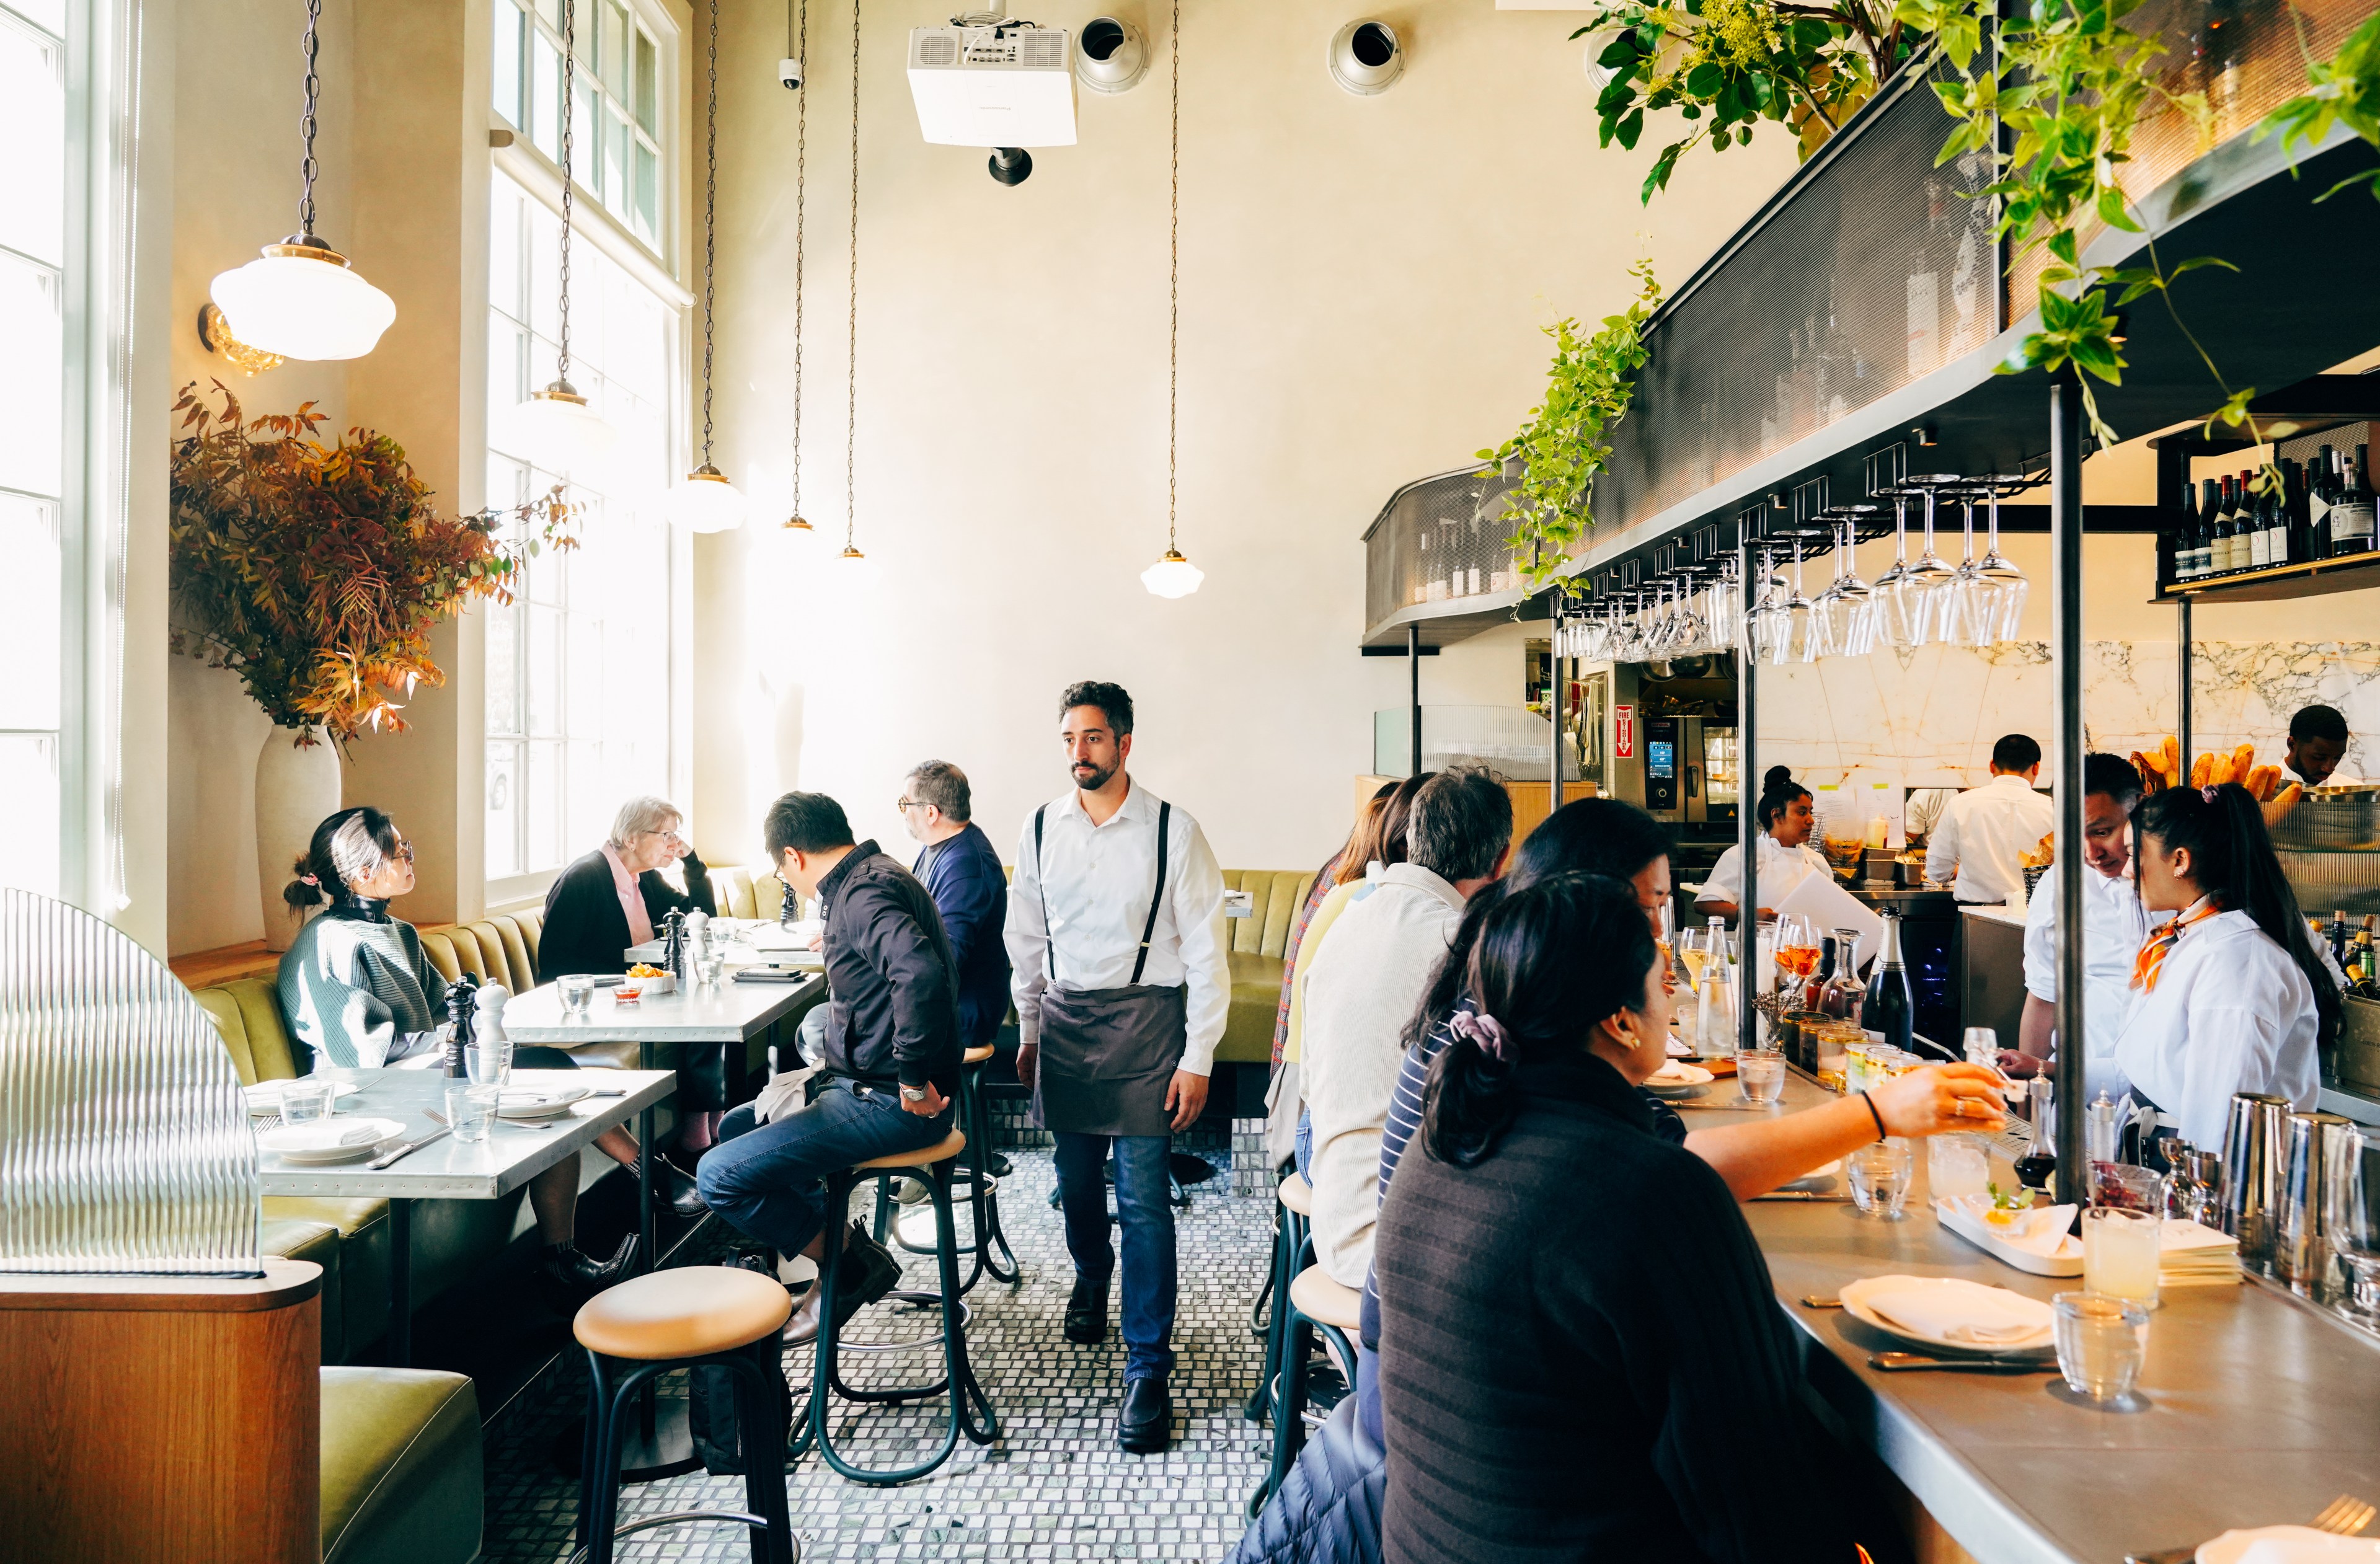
point(1111, 55)
point(789, 72)
point(1010, 166)
point(1366, 57)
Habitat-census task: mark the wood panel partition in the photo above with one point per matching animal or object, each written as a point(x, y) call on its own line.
point(163, 1418)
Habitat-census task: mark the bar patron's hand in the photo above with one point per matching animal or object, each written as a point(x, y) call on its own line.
point(926, 1104)
point(1186, 1099)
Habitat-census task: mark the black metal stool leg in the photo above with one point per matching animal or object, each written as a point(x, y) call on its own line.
point(764, 1474)
point(1259, 1405)
point(985, 1199)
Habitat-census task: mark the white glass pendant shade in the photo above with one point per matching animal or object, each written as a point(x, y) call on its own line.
point(704, 501)
point(1172, 576)
point(855, 570)
point(302, 300)
point(555, 430)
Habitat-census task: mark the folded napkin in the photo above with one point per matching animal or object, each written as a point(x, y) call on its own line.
point(1676, 1074)
point(2041, 1230)
point(2303, 1545)
point(2180, 1238)
point(326, 1135)
point(1960, 1312)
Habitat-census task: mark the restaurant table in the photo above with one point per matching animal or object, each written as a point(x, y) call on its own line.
point(2262, 1407)
point(514, 1152)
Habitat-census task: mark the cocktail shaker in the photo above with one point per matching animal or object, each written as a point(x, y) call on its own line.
point(2302, 1253)
point(2251, 1144)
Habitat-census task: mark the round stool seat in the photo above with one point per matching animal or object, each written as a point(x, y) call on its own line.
point(977, 1056)
point(1319, 1298)
point(688, 1312)
point(1297, 1194)
point(952, 1145)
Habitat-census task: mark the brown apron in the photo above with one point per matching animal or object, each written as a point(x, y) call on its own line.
point(1108, 1054)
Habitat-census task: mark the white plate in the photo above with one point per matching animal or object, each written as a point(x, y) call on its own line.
point(1677, 1079)
point(2232, 1546)
point(1856, 1295)
point(515, 1104)
point(329, 1140)
point(646, 988)
point(264, 1098)
point(2066, 1261)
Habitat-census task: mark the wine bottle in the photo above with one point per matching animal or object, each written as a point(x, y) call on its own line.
point(2226, 529)
point(2210, 509)
point(2351, 521)
point(2320, 497)
point(2293, 512)
point(2260, 547)
point(1891, 1008)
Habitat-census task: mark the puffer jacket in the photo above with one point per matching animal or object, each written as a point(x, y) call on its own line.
point(1328, 1510)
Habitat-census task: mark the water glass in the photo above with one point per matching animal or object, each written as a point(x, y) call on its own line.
point(2100, 1344)
point(708, 968)
point(1831, 1051)
point(306, 1100)
point(467, 1112)
point(1880, 1176)
point(489, 1065)
point(1958, 1164)
point(1760, 1074)
point(2120, 1253)
point(1981, 1044)
point(577, 993)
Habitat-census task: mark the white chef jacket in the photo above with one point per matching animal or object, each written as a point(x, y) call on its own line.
point(2113, 927)
point(1782, 868)
point(1097, 890)
point(2335, 779)
point(2232, 1012)
point(1980, 835)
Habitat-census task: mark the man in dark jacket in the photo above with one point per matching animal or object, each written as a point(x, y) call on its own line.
point(960, 869)
point(891, 1058)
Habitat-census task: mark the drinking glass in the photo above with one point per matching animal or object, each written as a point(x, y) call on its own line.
point(1714, 1021)
point(1879, 1179)
point(1764, 616)
point(306, 1100)
point(1981, 1044)
point(2007, 583)
point(1848, 604)
point(1968, 619)
point(2351, 1211)
point(2120, 1253)
point(707, 970)
point(577, 993)
point(1693, 951)
point(467, 1112)
point(1930, 577)
point(1804, 637)
point(488, 1065)
point(1899, 607)
point(1958, 1164)
point(1760, 1074)
point(2100, 1342)
point(1831, 1051)
point(1797, 946)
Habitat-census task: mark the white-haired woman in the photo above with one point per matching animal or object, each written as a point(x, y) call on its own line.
point(616, 897)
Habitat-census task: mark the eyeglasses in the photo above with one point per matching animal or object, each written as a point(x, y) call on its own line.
point(905, 805)
point(402, 852)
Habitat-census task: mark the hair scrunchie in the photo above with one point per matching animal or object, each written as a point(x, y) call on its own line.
point(309, 879)
point(1483, 1032)
point(2207, 794)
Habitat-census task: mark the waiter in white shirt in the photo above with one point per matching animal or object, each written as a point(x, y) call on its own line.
point(2317, 744)
point(1787, 815)
point(1122, 988)
point(2113, 927)
point(1976, 844)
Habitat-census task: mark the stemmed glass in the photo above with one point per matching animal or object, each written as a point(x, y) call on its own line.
point(1899, 609)
point(1848, 603)
point(1967, 616)
point(1801, 640)
point(2004, 580)
point(1764, 618)
point(1931, 576)
point(1723, 608)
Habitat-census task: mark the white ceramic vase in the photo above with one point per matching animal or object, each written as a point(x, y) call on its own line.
point(297, 785)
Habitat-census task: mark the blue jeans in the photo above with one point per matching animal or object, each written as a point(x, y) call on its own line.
point(769, 1179)
point(1305, 1146)
point(1145, 1211)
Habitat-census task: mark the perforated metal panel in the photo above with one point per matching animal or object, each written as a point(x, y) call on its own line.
point(1438, 541)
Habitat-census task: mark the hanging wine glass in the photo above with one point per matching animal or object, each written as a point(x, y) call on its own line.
point(1723, 608)
point(1930, 576)
point(1847, 605)
point(1763, 614)
point(2007, 584)
point(1897, 606)
point(1970, 619)
point(1799, 642)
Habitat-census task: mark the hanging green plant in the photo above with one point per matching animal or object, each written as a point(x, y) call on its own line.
point(1563, 444)
point(2343, 89)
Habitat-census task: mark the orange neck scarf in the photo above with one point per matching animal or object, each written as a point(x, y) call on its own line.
point(2161, 941)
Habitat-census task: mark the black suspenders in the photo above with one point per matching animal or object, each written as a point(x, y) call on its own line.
point(1156, 898)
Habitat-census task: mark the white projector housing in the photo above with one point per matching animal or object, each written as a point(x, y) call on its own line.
point(1005, 86)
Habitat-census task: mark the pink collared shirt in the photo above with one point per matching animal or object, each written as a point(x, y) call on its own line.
point(632, 900)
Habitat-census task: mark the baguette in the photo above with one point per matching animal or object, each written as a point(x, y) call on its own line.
point(2263, 781)
point(2202, 771)
point(2151, 774)
point(2243, 761)
point(2290, 794)
point(2170, 760)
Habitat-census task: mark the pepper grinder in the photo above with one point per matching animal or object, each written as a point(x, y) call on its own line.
point(673, 945)
point(462, 1009)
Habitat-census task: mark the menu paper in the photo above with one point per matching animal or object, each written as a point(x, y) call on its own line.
point(1830, 906)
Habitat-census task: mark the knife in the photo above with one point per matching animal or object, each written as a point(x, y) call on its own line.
point(1909, 1363)
point(385, 1158)
point(1800, 1194)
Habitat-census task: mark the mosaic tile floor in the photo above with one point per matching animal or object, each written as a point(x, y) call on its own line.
point(1054, 1486)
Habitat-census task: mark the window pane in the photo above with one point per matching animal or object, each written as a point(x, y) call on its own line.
point(29, 794)
point(504, 809)
point(507, 68)
point(594, 798)
point(31, 631)
point(545, 84)
point(613, 59)
point(586, 134)
point(47, 14)
point(33, 129)
point(503, 671)
point(618, 139)
point(506, 283)
point(544, 655)
point(508, 383)
point(649, 71)
point(32, 392)
point(646, 221)
point(544, 804)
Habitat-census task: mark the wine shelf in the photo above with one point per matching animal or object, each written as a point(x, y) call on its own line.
point(2342, 573)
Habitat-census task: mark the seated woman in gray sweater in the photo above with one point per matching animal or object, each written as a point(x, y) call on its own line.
point(360, 992)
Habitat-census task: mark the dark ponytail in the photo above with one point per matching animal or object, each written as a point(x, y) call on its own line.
point(1550, 961)
point(1777, 791)
point(2232, 861)
point(347, 846)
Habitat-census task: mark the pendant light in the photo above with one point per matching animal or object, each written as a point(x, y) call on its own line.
point(856, 568)
point(1172, 576)
point(301, 299)
point(799, 54)
point(554, 429)
point(705, 501)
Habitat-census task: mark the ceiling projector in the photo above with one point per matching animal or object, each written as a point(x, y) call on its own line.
point(1008, 84)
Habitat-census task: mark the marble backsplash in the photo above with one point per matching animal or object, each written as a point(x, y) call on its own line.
point(1930, 717)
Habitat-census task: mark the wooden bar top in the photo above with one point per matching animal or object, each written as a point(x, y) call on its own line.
point(284, 1282)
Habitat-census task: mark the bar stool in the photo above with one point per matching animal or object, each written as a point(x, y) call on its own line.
point(688, 1317)
point(934, 1166)
point(982, 1189)
point(1292, 1233)
point(1315, 1302)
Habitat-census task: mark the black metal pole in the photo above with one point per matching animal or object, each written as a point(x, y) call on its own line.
point(2066, 598)
point(2182, 678)
point(1747, 816)
point(1413, 663)
point(1557, 700)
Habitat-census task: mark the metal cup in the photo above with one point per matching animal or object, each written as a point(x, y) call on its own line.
point(2252, 1144)
point(2301, 1253)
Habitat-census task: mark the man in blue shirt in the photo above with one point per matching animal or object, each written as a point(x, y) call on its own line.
point(960, 870)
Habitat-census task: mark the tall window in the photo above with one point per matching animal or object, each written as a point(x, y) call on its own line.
point(34, 439)
point(616, 140)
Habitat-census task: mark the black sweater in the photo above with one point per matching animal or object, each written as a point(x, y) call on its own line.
point(1582, 1357)
point(586, 929)
point(893, 1016)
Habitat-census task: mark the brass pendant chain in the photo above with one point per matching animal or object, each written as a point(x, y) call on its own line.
point(801, 174)
point(1174, 319)
point(569, 101)
point(306, 125)
point(709, 222)
point(851, 348)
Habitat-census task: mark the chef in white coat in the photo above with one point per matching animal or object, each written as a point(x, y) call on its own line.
point(2227, 994)
point(2113, 926)
point(2317, 744)
point(1787, 817)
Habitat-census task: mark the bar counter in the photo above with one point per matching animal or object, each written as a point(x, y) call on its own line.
point(2263, 1408)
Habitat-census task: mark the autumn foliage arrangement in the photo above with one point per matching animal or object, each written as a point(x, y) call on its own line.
point(316, 571)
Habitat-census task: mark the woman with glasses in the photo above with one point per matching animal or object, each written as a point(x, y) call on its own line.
point(616, 897)
point(361, 993)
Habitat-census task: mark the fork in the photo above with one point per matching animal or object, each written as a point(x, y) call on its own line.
point(2344, 1516)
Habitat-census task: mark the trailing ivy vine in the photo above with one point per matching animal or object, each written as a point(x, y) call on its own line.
point(1564, 441)
point(2343, 89)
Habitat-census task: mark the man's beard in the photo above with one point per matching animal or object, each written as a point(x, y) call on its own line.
point(1096, 781)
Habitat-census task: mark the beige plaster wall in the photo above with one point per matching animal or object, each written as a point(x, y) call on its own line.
point(1362, 285)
